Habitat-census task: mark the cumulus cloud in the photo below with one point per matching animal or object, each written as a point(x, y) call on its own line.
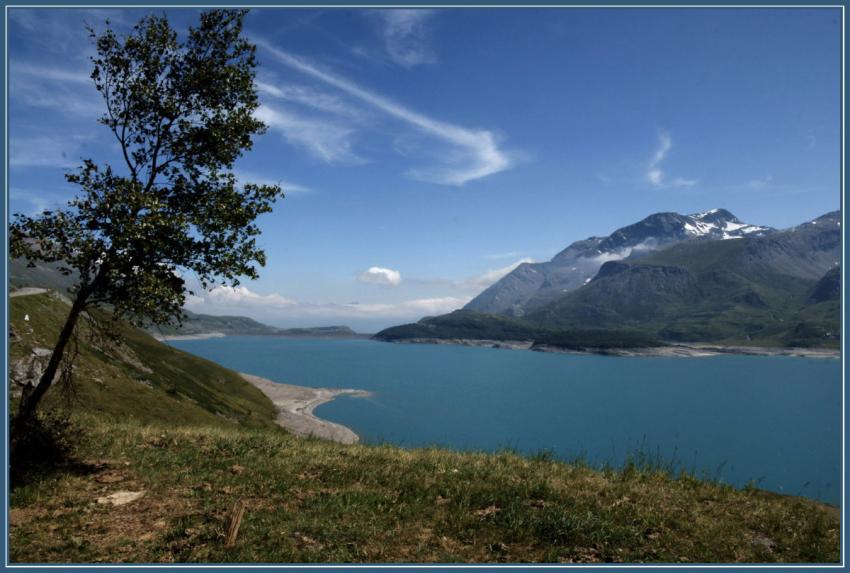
point(405, 36)
point(380, 276)
point(473, 153)
point(223, 296)
point(655, 174)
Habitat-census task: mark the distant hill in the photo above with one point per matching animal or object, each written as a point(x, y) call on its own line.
point(777, 288)
point(47, 275)
point(195, 324)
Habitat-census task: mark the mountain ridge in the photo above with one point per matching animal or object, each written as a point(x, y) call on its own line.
point(533, 285)
point(767, 288)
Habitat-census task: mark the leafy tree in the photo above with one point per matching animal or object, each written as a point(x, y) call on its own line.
point(182, 111)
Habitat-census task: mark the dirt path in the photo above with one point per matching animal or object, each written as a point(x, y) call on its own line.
point(27, 291)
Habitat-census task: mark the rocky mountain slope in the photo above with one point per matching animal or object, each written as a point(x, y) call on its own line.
point(533, 285)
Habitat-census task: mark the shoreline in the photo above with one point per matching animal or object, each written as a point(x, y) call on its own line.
point(295, 405)
point(199, 336)
point(695, 350)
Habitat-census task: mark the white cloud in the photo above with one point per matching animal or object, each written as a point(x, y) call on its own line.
point(274, 307)
point(759, 184)
point(380, 276)
point(405, 36)
point(475, 153)
point(81, 76)
point(649, 244)
point(311, 98)
point(655, 175)
point(327, 141)
point(44, 151)
point(69, 91)
point(35, 202)
point(497, 256)
point(404, 310)
point(288, 187)
point(486, 279)
point(240, 296)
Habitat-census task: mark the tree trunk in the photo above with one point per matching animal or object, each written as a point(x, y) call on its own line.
point(30, 400)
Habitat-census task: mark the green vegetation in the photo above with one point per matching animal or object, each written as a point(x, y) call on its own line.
point(195, 439)
point(140, 379)
point(597, 340)
point(314, 501)
point(205, 323)
point(463, 324)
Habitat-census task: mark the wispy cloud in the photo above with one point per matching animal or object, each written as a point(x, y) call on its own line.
point(489, 277)
point(311, 98)
point(324, 140)
point(380, 276)
point(498, 256)
point(474, 153)
point(759, 184)
point(69, 91)
point(44, 151)
point(655, 174)
point(275, 307)
point(31, 202)
point(288, 187)
point(406, 36)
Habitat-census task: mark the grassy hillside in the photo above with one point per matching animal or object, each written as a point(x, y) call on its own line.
point(313, 501)
point(142, 379)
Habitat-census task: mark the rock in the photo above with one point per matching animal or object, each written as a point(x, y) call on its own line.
point(121, 497)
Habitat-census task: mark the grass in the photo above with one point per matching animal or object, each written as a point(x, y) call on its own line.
point(314, 501)
point(196, 438)
point(141, 379)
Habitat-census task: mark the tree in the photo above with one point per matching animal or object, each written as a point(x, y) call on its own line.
point(181, 111)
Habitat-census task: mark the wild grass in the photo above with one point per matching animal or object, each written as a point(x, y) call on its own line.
point(315, 501)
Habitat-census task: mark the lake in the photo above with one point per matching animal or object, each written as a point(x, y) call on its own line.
point(775, 421)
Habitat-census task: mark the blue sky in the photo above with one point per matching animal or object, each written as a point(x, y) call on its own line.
point(426, 152)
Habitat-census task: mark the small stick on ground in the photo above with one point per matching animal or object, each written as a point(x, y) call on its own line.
point(236, 515)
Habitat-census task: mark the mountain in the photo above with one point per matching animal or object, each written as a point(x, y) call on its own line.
point(533, 285)
point(698, 291)
point(828, 287)
point(39, 274)
point(767, 288)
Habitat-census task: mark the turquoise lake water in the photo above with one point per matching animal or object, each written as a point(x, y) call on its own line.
point(772, 420)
